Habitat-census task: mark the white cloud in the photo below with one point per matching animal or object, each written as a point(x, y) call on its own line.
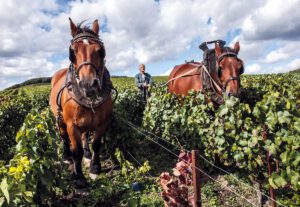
point(146, 31)
point(276, 19)
point(275, 56)
point(285, 51)
point(252, 69)
point(26, 67)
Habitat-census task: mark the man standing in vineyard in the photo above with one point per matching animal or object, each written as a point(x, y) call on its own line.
point(143, 81)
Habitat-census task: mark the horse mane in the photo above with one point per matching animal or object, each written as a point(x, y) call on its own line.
point(84, 29)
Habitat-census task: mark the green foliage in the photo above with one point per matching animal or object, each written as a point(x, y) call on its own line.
point(34, 173)
point(128, 108)
point(232, 133)
point(123, 83)
point(128, 171)
point(118, 190)
point(12, 114)
point(131, 175)
point(13, 110)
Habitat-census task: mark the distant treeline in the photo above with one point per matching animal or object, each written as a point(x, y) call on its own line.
point(295, 71)
point(121, 76)
point(30, 82)
point(43, 80)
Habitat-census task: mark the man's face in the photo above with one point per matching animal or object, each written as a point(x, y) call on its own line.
point(142, 69)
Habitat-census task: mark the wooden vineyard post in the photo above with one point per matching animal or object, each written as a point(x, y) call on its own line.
point(196, 179)
point(271, 190)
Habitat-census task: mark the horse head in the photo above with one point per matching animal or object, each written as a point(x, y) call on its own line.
point(87, 54)
point(229, 68)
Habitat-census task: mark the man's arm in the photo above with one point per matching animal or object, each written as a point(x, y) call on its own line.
point(150, 80)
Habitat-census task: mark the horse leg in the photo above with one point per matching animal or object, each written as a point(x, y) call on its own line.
point(95, 166)
point(66, 148)
point(66, 154)
point(77, 155)
point(85, 142)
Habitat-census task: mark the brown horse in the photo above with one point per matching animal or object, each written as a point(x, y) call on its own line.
point(79, 99)
point(223, 79)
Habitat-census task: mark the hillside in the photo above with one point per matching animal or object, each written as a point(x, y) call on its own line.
point(47, 80)
point(295, 71)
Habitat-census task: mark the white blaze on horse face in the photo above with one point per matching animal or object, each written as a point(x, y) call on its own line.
point(85, 41)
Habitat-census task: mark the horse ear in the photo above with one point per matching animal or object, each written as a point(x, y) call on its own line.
point(73, 28)
point(96, 26)
point(218, 49)
point(236, 47)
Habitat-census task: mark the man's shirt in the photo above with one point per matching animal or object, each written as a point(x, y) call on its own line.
point(140, 79)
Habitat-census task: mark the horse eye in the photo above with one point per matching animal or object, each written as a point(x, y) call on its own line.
point(101, 52)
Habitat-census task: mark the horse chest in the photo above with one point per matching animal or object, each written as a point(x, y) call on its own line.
point(84, 119)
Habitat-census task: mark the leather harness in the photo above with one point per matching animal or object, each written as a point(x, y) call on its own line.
point(215, 85)
point(73, 87)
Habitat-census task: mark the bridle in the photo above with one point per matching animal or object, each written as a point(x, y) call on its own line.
point(76, 71)
point(99, 70)
point(219, 69)
point(72, 78)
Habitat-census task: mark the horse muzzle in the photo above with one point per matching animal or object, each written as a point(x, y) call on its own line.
point(232, 87)
point(90, 88)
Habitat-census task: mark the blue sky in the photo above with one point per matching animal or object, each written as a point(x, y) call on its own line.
point(35, 34)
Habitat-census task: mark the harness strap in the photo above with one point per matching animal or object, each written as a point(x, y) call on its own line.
point(198, 67)
point(226, 54)
point(87, 63)
point(181, 75)
point(230, 79)
point(59, 94)
point(86, 35)
point(215, 96)
point(213, 81)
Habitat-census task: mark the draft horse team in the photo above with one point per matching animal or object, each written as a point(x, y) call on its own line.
point(81, 99)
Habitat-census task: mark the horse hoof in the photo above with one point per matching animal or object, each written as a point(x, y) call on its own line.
point(87, 154)
point(93, 176)
point(86, 162)
point(80, 183)
point(68, 161)
point(95, 169)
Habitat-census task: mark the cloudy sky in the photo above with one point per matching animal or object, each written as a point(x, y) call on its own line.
point(35, 34)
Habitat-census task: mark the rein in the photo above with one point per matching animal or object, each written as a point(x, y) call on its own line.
point(196, 68)
point(180, 76)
